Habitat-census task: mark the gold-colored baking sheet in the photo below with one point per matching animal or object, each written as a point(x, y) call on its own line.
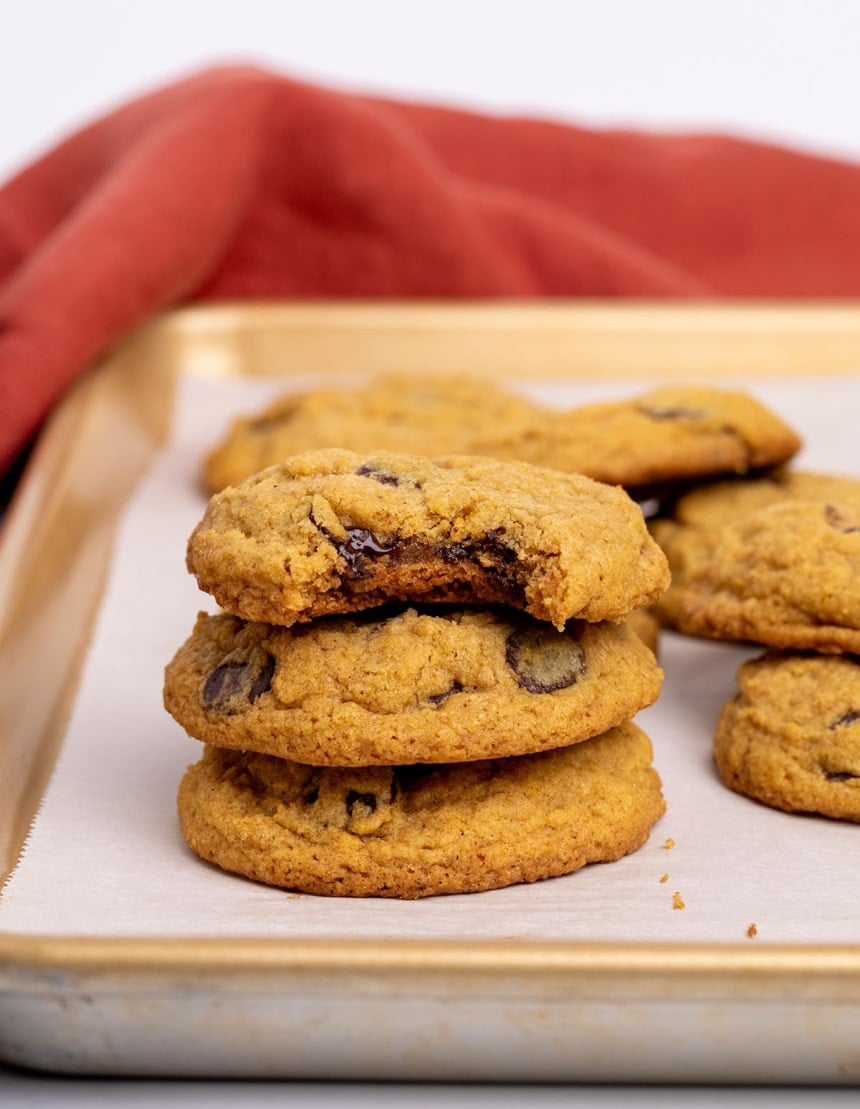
point(346, 1003)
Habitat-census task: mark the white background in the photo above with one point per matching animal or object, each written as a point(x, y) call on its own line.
point(782, 70)
point(785, 70)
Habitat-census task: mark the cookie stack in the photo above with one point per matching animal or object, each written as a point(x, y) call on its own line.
point(422, 680)
point(776, 561)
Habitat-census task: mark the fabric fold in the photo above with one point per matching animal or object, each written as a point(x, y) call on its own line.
point(238, 183)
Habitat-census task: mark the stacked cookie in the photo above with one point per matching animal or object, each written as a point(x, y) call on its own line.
point(776, 561)
point(422, 680)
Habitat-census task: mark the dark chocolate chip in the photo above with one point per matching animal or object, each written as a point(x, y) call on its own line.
point(488, 549)
point(382, 476)
point(457, 552)
point(848, 718)
point(238, 681)
point(312, 795)
point(358, 545)
point(492, 545)
point(544, 659)
point(441, 698)
point(840, 775)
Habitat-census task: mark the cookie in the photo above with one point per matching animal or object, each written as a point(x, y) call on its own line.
point(787, 575)
point(791, 738)
point(396, 412)
point(723, 502)
point(644, 623)
point(416, 831)
point(673, 434)
point(409, 686)
point(331, 531)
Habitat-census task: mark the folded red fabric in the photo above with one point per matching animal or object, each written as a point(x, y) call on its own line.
point(239, 183)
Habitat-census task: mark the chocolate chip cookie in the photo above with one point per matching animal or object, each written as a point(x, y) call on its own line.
point(407, 686)
point(427, 415)
point(791, 737)
point(723, 502)
point(411, 832)
point(786, 575)
point(332, 531)
point(668, 435)
point(673, 434)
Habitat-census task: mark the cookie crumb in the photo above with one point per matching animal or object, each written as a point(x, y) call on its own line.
point(668, 843)
point(752, 931)
point(677, 901)
point(664, 878)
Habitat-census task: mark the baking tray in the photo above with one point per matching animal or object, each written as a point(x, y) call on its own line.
point(343, 1005)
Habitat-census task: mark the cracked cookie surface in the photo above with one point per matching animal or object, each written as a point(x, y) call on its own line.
point(332, 531)
point(785, 575)
point(408, 686)
point(412, 832)
point(791, 738)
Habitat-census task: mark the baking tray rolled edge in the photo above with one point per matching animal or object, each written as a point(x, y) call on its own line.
point(56, 547)
point(432, 1010)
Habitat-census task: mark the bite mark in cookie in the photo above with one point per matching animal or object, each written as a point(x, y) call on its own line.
point(314, 536)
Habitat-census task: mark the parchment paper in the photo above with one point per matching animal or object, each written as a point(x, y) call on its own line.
point(105, 856)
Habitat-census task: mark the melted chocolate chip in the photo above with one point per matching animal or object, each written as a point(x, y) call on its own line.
point(441, 698)
point(491, 553)
point(843, 721)
point(382, 476)
point(493, 546)
point(457, 552)
point(544, 659)
point(312, 795)
point(358, 545)
point(238, 682)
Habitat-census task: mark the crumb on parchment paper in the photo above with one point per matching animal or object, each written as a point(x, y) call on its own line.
point(752, 931)
point(668, 843)
point(677, 901)
point(664, 878)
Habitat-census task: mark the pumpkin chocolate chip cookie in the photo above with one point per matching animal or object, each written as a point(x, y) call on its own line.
point(332, 531)
point(412, 831)
point(785, 575)
point(411, 685)
point(791, 737)
point(724, 502)
point(669, 435)
point(396, 412)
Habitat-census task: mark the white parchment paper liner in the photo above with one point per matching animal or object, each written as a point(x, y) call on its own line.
point(105, 856)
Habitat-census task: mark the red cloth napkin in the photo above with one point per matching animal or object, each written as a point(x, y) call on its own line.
point(239, 183)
